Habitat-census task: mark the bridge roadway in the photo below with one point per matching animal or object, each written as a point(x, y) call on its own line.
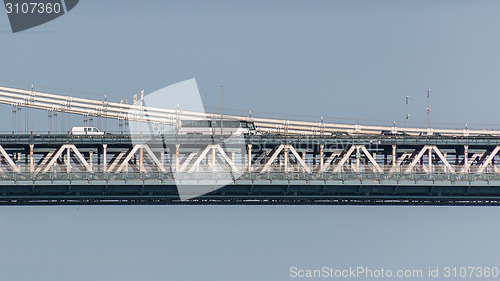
point(259, 169)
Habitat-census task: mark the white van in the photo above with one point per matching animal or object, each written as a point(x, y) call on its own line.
point(86, 131)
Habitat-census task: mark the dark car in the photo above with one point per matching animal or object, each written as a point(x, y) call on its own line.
point(339, 134)
point(487, 136)
point(390, 133)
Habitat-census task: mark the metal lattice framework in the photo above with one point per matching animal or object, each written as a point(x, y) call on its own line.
point(285, 161)
point(259, 155)
point(372, 170)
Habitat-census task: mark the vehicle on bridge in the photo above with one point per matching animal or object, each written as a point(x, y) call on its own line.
point(426, 134)
point(211, 127)
point(86, 131)
point(487, 136)
point(339, 134)
point(394, 134)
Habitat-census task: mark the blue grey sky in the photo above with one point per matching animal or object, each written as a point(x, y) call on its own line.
point(354, 61)
point(350, 61)
point(235, 243)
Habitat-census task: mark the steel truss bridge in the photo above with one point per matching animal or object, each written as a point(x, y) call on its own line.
point(255, 169)
point(283, 161)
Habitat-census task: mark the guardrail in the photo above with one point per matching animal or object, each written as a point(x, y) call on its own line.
point(269, 176)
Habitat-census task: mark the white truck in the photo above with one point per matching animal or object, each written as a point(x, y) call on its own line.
point(86, 131)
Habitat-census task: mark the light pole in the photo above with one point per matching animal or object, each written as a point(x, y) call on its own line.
point(221, 109)
point(407, 115)
point(428, 106)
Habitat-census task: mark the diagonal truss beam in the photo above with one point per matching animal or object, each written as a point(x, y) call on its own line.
point(187, 161)
point(115, 162)
point(154, 158)
point(399, 162)
point(344, 159)
point(272, 158)
point(140, 147)
point(372, 160)
point(197, 161)
point(13, 165)
point(60, 152)
point(469, 162)
point(488, 160)
point(224, 155)
point(376, 167)
point(127, 158)
point(429, 149)
point(203, 154)
point(46, 158)
point(443, 159)
point(299, 158)
point(328, 161)
point(276, 153)
point(417, 158)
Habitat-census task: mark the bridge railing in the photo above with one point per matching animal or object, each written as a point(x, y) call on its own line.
point(268, 176)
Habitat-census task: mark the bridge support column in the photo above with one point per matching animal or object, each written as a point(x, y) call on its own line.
point(358, 156)
point(32, 163)
point(304, 158)
point(171, 159)
point(429, 155)
point(141, 160)
point(105, 157)
point(249, 146)
point(466, 157)
point(177, 157)
point(91, 164)
point(321, 156)
point(394, 155)
point(162, 158)
point(445, 155)
point(286, 159)
point(213, 159)
point(68, 164)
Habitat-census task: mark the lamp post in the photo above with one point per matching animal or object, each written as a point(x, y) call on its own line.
point(407, 115)
point(428, 106)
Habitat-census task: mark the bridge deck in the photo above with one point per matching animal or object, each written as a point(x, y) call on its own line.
point(259, 169)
